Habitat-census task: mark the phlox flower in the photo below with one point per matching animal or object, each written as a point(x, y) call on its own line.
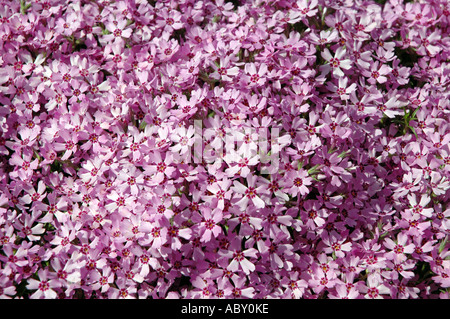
point(207, 223)
point(132, 181)
point(8, 289)
point(322, 280)
point(169, 19)
point(419, 206)
point(239, 258)
point(65, 236)
point(15, 256)
point(391, 107)
point(187, 107)
point(25, 164)
point(220, 192)
point(28, 226)
point(30, 103)
point(442, 277)
point(402, 290)
point(255, 104)
point(337, 245)
point(399, 73)
point(401, 266)
point(239, 289)
point(115, 54)
point(335, 63)
point(313, 215)
point(183, 138)
point(425, 42)
point(342, 89)
point(401, 246)
point(247, 222)
point(102, 280)
point(278, 253)
point(69, 24)
point(67, 143)
point(240, 164)
point(91, 170)
point(364, 25)
point(119, 201)
point(377, 73)
point(296, 182)
point(224, 71)
point(303, 10)
point(124, 290)
point(167, 48)
point(44, 286)
point(254, 76)
point(248, 193)
point(275, 222)
point(118, 29)
point(343, 292)
point(204, 288)
point(332, 165)
point(375, 289)
point(68, 274)
point(307, 181)
point(295, 285)
point(324, 37)
point(35, 196)
point(159, 167)
point(157, 234)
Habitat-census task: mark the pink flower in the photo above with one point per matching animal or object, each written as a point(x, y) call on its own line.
point(240, 289)
point(313, 215)
point(184, 140)
point(66, 143)
point(296, 182)
point(342, 292)
point(426, 42)
point(337, 245)
point(335, 64)
point(377, 73)
point(29, 227)
point(44, 286)
point(224, 71)
point(170, 19)
point(375, 289)
point(391, 107)
point(324, 37)
point(401, 246)
point(419, 207)
point(254, 76)
point(207, 223)
point(342, 90)
point(221, 192)
point(239, 257)
point(248, 193)
point(117, 28)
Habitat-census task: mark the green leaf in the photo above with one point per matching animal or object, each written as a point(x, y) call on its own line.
point(142, 125)
point(314, 169)
point(24, 7)
point(443, 244)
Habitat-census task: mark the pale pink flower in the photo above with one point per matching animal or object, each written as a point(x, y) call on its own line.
point(335, 63)
point(251, 192)
point(44, 286)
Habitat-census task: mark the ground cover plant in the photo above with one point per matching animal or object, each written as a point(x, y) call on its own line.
point(224, 149)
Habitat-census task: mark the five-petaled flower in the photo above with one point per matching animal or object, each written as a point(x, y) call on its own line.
point(335, 63)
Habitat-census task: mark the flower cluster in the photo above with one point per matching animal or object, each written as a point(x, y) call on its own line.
point(224, 149)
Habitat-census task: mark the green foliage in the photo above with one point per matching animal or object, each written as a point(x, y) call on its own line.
point(24, 7)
